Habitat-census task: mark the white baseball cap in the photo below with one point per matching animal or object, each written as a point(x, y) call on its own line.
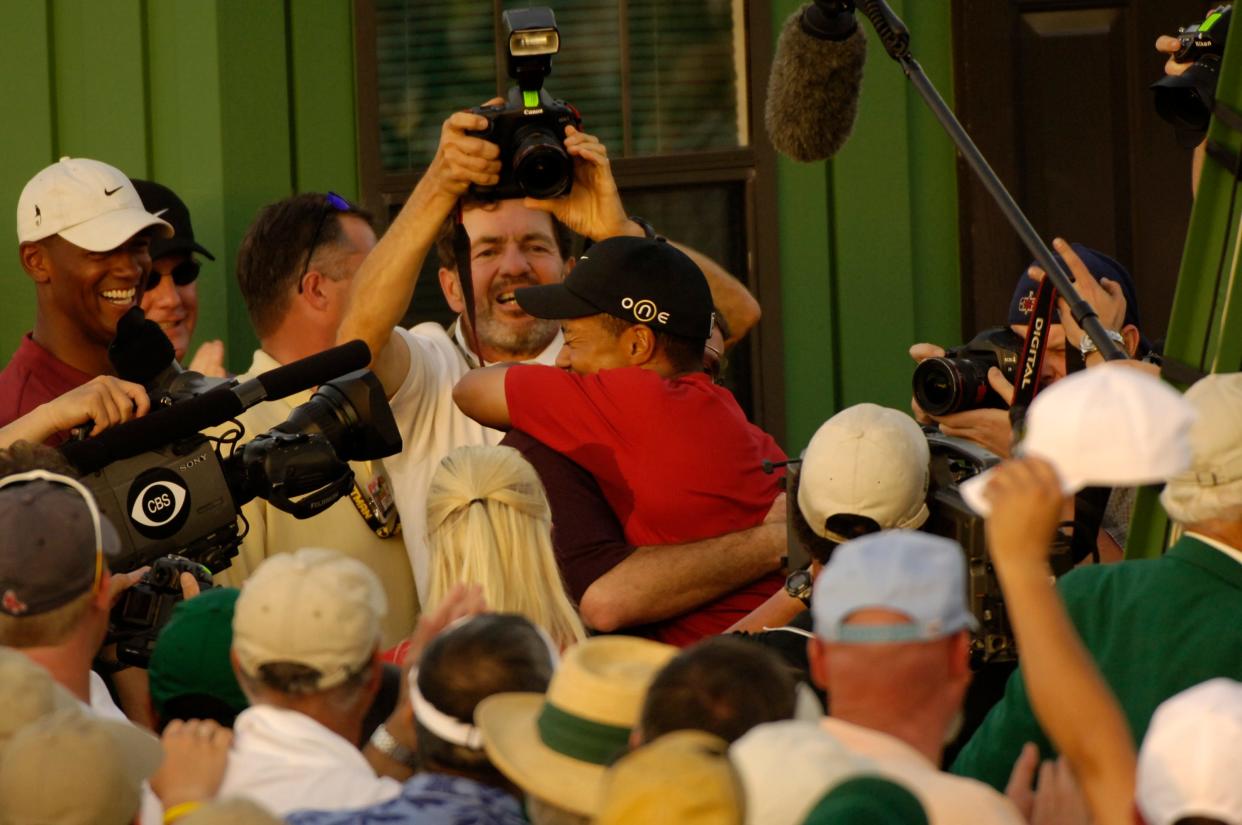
point(917, 574)
point(866, 460)
point(86, 202)
point(786, 766)
point(1109, 426)
point(1212, 484)
point(1187, 766)
point(315, 607)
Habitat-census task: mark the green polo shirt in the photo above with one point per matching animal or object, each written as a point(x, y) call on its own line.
point(1154, 627)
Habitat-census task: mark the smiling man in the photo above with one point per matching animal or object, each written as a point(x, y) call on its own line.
point(84, 239)
point(513, 243)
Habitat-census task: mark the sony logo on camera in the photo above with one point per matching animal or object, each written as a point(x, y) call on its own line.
point(158, 503)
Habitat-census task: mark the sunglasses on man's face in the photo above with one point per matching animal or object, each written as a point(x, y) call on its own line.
point(332, 204)
point(183, 274)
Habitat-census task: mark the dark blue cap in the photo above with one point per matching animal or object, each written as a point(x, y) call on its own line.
point(1022, 304)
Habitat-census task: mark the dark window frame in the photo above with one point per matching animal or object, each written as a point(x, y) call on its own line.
point(753, 166)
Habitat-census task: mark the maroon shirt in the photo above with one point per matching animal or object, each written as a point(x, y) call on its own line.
point(32, 377)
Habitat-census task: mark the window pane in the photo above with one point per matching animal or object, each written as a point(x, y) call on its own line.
point(685, 92)
point(434, 57)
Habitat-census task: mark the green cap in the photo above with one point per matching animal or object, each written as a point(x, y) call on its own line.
point(192, 653)
point(868, 800)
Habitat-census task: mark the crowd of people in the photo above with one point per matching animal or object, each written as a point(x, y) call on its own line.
point(562, 600)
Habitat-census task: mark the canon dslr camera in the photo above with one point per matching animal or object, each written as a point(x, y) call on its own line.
point(959, 380)
point(530, 126)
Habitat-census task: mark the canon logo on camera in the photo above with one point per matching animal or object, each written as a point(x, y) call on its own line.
point(158, 503)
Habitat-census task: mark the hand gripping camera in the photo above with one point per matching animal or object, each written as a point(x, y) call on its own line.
point(1187, 100)
point(530, 126)
point(959, 380)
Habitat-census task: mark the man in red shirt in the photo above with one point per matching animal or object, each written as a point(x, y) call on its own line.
point(84, 239)
point(672, 451)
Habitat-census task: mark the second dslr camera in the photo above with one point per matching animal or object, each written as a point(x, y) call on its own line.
point(529, 127)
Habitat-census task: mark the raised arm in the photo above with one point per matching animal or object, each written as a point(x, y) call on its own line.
point(104, 401)
point(1069, 697)
point(594, 210)
point(385, 282)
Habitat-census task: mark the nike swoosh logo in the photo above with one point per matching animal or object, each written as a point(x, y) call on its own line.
point(110, 193)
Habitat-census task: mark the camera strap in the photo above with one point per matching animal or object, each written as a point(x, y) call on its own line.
point(461, 251)
point(1030, 366)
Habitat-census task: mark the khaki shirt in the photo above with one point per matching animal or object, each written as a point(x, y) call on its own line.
point(339, 527)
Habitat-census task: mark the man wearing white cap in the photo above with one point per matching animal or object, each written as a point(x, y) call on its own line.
point(305, 634)
point(892, 649)
point(1154, 627)
point(84, 239)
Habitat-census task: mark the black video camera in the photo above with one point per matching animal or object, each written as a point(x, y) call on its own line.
point(145, 608)
point(953, 460)
point(1187, 100)
point(530, 126)
point(959, 380)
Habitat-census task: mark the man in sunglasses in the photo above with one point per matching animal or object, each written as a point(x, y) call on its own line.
point(84, 239)
point(295, 267)
point(170, 296)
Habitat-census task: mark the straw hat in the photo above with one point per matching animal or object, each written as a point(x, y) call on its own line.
point(556, 746)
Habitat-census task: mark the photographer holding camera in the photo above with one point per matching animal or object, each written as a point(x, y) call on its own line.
point(513, 241)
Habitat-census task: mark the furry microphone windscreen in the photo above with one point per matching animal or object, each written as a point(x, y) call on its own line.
point(813, 92)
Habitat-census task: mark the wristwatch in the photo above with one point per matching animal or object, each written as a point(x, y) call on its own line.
point(384, 742)
point(799, 585)
point(1088, 346)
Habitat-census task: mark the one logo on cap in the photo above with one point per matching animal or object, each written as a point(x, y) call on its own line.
point(109, 193)
point(1026, 304)
point(158, 503)
point(12, 605)
point(645, 311)
point(38, 215)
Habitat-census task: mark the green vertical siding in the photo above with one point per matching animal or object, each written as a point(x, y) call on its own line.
point(869, 259)
point(232, 103)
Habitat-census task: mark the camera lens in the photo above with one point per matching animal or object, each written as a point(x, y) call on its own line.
point(949, 385)
point(541, 166)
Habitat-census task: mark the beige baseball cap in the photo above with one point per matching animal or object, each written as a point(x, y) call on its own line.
point(315, 607)
point(27, 693)
point(866, 460)
point(72, 768)
point(682, 778)
point(86, 202)
point(1212, 485)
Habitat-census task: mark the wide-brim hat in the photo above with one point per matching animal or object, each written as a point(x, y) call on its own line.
point(556, 746)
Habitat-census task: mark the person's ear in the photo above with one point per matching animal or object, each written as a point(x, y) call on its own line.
point(1130, 333)
point(314, 290)
point(959, 655)
point(817, 659)
point(450, 285)
point(640, 344)
point(102, 599)
point(570, 263)
point(36, 261)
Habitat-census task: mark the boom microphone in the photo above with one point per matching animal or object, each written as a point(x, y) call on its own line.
point(813, 88)
point(213, 408)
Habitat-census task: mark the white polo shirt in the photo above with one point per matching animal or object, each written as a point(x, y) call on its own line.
point(432, 426)
point(286, 761)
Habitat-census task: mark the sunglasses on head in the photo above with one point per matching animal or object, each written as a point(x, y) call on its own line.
point(183, 274)
point(332, 203)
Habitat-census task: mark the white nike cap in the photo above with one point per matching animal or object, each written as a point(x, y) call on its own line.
point(86, 202)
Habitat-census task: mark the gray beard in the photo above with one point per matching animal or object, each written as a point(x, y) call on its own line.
point(527, 341)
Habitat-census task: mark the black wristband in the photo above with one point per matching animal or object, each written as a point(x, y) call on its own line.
point(648, 230)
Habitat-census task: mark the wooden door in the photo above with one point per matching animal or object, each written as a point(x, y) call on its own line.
point(1055, 93)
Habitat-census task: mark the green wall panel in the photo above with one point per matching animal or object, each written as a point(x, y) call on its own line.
point(322, 60)
point(99, 71)
point(869, 259)
point(27, 145)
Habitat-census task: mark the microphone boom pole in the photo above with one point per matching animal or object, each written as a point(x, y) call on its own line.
point(896, 39)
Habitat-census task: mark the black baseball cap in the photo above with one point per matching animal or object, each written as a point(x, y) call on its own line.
point(162, 201)
point(635, 279)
